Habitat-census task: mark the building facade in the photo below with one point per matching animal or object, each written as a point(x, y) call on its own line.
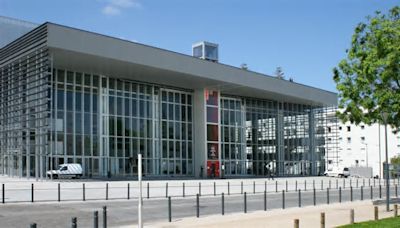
point(363, 146)
point(72, 96)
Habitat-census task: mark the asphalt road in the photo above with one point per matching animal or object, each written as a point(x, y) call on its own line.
point(124, 212)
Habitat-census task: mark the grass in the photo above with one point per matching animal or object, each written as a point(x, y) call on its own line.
point(386, 223)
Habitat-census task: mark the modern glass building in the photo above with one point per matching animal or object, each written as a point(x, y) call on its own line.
point(72, 96)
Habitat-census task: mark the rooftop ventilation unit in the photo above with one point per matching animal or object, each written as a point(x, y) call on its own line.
point(205, 50)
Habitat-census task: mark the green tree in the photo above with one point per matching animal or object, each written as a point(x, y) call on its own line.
point(395, 160)
point(368, 80)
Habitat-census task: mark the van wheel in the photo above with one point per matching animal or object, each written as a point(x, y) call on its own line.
point(55, 176)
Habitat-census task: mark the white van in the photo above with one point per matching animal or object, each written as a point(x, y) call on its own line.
point(337, 172)
point(66, 170)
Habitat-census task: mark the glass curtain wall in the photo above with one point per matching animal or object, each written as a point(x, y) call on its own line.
point(24, 115)
point(103, 123)
point(233, 145)
point(263, 137)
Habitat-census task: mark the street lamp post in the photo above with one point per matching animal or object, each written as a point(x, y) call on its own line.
point(384, 117)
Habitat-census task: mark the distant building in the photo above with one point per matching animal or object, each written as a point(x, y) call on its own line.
point(11, 29)
point(362, 145)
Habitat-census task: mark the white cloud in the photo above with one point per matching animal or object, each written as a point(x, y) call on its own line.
point(110, 10)
point(126, 3)
point(114, 7)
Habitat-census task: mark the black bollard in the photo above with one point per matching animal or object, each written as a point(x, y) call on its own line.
point(265, 200)
point(299, 197)
point(245, 203)
point(197, 206)
point(241, 187)
point(371, 192)
point(33, 225)
point(96, 219)
point(327, 196)
point(283, 199)
point(148, 190)
point(229, 189)
point(32, 193)
point(223, 203)
point(183, 189)
point(106, 191)
point(83, 192)
point(362, 192)
point(314, 198)
point(104, 216)
point(169, 209)
point(128, 192)
point(215, 189)
point(166, 190)
point(59, 192)
point(340, 194)
point(74, 223)
point(3, 193)
point(199, 189)
point(351, 193)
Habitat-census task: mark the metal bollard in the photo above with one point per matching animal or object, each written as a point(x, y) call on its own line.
point(128, 192)
point(106, 191)
point(223, 203)
point(265, 200)
point(215, 189)
point(199, 189)
point(276, 186)
point(296, 185)
point(169, 209)
point(104, 216)
point(265, 185)
point(395, 210)
point(314, 198)
point(371, 192)
point(166, 190)
point(337, 183)
point(286, 185)
point(362, 192)
point(148, 190)
point(245, 203)
point(3, 193)
point(74, 223)
point(283, 199)
point(299, 197)
point(376, 215)
point(305, 185)
point(296, 223)
point(83, 192)
point(352, 216)
point(344, 183)
point(254, 187)
point(380, 191)
point(313, 183)
point(327, 196)
point(183, 189)
point(351, 193)
point(33, 225)
point(340, 194)
point(351, 183)
point(322, 220)
point(59, 192)
point(197, 206)
point(32, 193)
point(229, 189)
point(322, 184)
point(96, 219)
point(241, 187)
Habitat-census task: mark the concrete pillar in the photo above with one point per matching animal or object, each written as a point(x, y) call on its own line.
point(199, 133)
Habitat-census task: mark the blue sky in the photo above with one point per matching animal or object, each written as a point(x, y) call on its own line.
point(307, 38)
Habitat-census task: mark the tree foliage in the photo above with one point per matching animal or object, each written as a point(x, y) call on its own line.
point(368, 80)
point(395, 160)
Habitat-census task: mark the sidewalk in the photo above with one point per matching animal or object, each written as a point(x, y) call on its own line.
point(335, 215)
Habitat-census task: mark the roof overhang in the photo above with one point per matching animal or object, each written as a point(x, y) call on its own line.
point(90, 52)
